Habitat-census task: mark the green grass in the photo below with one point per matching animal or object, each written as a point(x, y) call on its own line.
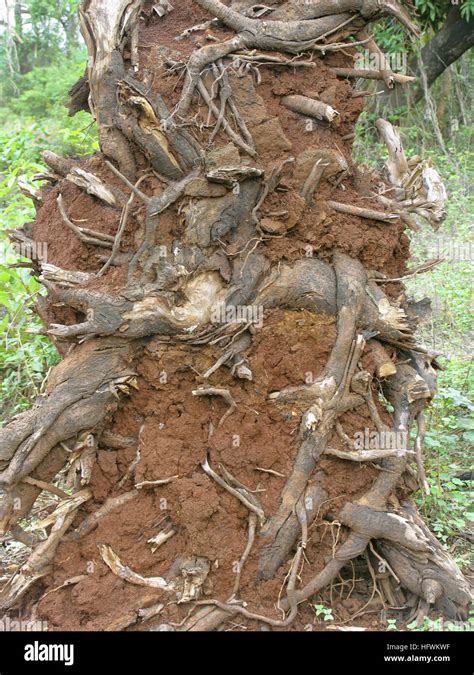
point(34, 121)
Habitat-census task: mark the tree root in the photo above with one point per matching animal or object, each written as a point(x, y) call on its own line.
point(361, 212)
point(39, 562)
point(318, 421)
point(253, 519)
point(80, 395)
point(290, 36)
point(226, 395)
point(221, 121)
point(310, 107)
point(372, 75)
point(312, 182)
point(91, 522)
point(84, 234)
point(421, 188)
point(236, 489)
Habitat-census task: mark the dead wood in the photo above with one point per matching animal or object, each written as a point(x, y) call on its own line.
point(373, 75)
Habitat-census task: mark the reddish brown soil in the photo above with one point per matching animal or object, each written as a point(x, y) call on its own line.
point(170, 425)
point(173, 426)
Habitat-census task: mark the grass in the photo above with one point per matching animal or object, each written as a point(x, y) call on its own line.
point(34, 121)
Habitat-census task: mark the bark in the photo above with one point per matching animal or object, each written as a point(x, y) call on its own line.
point(455, 37)
point(447, 46)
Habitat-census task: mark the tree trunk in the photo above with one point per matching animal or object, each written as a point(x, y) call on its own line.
point(22, 58)
point(447, 46)
point(219, 286)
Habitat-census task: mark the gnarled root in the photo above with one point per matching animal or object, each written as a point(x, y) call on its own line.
point(81, 393)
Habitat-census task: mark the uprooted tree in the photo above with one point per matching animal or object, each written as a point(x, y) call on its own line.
point(224, 286)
